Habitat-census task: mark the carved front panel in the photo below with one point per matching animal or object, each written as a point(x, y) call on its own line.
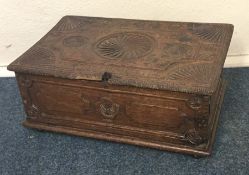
point(179, 116)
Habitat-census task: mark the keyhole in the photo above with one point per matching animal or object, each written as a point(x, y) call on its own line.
point(106, 76)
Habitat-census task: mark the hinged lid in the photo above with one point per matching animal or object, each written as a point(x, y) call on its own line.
point(178, 56)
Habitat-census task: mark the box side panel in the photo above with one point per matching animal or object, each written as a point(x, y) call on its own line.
point(214, 101)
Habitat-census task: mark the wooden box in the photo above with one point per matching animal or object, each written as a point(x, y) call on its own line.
point(150, 83)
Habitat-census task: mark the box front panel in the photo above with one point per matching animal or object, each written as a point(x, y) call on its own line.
point(157, 115)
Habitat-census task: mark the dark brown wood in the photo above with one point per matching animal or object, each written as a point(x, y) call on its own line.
point(148, 83)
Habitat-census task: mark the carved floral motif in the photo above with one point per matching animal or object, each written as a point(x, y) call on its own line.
point(196, 130)
point(195, 102)
point(108, 108)
point(194, 137)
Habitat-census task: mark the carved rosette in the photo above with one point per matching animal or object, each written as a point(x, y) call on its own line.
point(125, 45)
point(196, 132)
point(107, 108)
point(194, 137)
point(195, 102)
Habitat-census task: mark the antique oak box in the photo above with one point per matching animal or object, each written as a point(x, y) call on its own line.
point(150, 83)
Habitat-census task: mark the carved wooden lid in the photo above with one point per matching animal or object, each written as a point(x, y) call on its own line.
point(178, 56)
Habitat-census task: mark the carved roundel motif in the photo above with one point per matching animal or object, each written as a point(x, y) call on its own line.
point(74, 41)
point(124, 45)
